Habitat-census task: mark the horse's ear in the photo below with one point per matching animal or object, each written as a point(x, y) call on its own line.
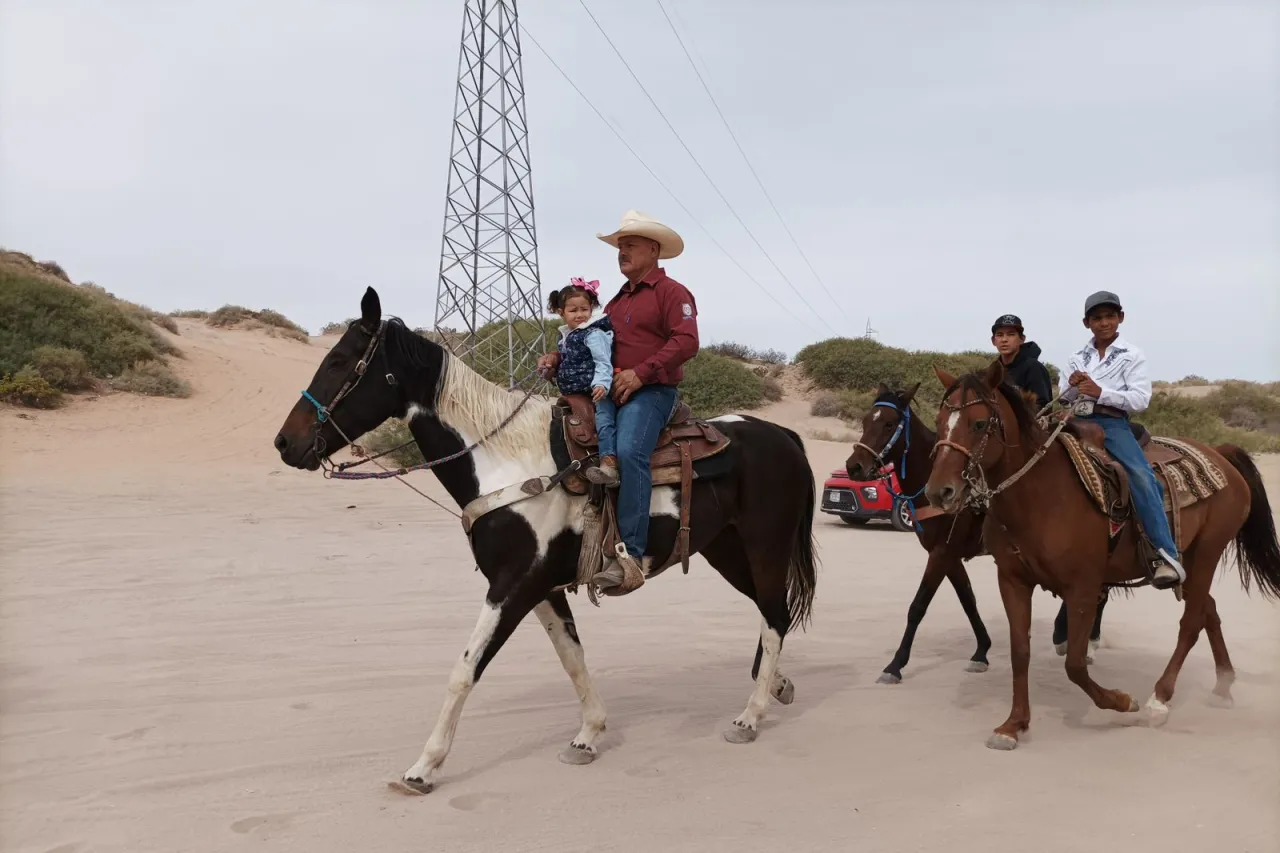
point(945, 378)
point(883, 389)
point(994, 375)
point(370, 310)
point(910, 393)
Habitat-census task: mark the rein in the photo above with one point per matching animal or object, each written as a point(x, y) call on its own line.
point(980, 495)
point(904, 427)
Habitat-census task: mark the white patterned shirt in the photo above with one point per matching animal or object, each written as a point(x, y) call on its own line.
point(1121, 373)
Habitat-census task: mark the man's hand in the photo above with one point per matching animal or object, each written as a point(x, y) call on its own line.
point(625, 384)
point(548, 363)
point(1076, 378)
point(598, 393)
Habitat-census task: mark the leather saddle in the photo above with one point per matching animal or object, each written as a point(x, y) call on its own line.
point(684, 440)
point(1092, 435)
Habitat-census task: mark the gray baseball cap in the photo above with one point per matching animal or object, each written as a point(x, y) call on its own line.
point(1102, 297)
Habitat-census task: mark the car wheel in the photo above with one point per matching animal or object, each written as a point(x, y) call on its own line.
point(853, 521)
point(902, 518)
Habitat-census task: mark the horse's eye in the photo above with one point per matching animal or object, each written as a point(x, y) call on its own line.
point(979, 425)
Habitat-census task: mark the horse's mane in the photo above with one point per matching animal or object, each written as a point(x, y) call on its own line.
point(1023, 414)
point(467, 400)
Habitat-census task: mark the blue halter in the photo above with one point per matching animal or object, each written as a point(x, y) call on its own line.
point(904, 426)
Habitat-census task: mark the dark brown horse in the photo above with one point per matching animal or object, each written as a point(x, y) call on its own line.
point(1043, 529)
point(894, 436)
point(752, 520)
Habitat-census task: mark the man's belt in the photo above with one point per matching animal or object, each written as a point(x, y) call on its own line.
point(1089, 409)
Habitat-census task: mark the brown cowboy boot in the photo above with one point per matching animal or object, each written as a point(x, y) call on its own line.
point(605, 473)
point(622, 575)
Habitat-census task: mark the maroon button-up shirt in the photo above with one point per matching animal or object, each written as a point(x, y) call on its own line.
point(655, 328)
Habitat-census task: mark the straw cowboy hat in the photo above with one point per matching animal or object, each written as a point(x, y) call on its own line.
point(638, 224)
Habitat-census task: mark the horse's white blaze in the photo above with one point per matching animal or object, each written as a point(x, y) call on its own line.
point(771, 642)
point(461, 680)
point(728, 419)
point(574, 662)
point(947, 429)
point(876, 416)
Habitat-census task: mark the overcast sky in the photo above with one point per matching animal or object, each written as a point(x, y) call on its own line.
point(941, 163)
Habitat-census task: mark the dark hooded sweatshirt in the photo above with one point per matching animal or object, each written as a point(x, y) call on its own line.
point(1029, 374)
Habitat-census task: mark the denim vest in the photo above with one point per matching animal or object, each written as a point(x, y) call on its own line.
point(577, 365)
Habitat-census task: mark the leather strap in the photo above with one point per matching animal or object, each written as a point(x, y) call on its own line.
point(686, 497)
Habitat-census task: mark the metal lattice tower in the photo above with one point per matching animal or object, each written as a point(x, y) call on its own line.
point(488, 305)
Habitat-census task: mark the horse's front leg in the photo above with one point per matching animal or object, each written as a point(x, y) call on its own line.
point(557, 618)
point(496, 622)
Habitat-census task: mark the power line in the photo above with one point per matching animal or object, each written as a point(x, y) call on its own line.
point(697, 163)
point(662, 184)
point(747, 160)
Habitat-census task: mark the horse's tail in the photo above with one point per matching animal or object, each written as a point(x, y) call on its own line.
point(1257, 551)
point(802, 577)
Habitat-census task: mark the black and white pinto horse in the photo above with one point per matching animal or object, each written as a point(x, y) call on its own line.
point(753, 524)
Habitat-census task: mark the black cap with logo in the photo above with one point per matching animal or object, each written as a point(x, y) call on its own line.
point(1007, 321)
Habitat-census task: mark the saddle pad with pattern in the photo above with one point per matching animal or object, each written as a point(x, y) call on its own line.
point(1186, 473)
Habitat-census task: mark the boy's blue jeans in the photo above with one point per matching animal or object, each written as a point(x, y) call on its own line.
point(1148, 494)
point(630, 432)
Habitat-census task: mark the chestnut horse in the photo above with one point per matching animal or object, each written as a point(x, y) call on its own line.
point(1043, 529)
point(893, 436)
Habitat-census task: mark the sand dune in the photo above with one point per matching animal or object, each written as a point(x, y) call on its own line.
point(203, 650)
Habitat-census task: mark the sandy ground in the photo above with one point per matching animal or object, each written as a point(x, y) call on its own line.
point(202, 650)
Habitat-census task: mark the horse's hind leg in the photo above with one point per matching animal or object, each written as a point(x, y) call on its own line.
point(1079, 627)
point(1200, 563)
point(494, 626)
point(1221, 695)
point(557, 618)
point(768, 575)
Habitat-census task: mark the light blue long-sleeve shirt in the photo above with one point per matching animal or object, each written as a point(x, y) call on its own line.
point(600, 343)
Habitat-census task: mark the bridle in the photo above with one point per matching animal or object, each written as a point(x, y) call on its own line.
point(903, 429)
point(324, 414)
point(979, 494)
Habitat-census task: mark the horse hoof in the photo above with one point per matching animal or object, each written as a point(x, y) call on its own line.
point(1217, 700)
point(977, 666)
point(787, 694)
point(1158, 712)
point(1061, 649)
point(739, 734)
point(1002, 742)
point(413, 787)
point(889, 678)
point(577, 755)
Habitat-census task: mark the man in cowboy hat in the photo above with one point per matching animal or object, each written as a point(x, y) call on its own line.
point(655, 328)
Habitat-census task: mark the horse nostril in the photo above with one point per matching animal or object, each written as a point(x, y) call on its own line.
point(947, 493)
point(281, 442)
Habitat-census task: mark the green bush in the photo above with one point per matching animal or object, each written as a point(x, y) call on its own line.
point(190, 314)
point(28, 388)
point(38, 311)
point(152, 379)
point(392, 434)
point(63, 368)
point(229, 316)
point(1245, 405)
point(742, 352)
point(715, 385)
point(861, 364)
point(1180, 416)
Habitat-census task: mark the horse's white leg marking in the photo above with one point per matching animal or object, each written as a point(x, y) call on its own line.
point(744, 728)
point(461, 680)
point(572, 658)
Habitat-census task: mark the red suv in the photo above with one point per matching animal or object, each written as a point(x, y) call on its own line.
point(857, 502)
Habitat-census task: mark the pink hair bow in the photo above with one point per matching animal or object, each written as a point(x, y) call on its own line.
point(592, 286)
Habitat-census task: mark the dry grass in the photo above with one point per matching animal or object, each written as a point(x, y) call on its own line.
point(271, 322)
point(30, 389)
point(152, 379)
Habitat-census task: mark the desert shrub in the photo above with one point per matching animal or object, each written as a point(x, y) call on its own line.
point(38, 311)
point(28, 388)
point(273, 322)
point(772, 388)
point(742, 352)
point(337, 328)
point(489, 356)
point(190, 314)
point(1246, 405)
point(1192, 380)
point(826, 405)
point(1180, 416)
point(152, 379)
point(63, 368)
point(392, 434)
point(714, 385)
point(861, 364)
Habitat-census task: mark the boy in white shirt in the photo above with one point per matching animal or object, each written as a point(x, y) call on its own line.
point(1107, 382)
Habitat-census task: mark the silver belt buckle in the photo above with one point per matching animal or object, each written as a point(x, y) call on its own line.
point(1083, 408)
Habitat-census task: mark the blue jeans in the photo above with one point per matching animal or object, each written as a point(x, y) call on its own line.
point(1148, 494)
point(630, 432)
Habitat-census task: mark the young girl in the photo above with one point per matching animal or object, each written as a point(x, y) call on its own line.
point(586, 364)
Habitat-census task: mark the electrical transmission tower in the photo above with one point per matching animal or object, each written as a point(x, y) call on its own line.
point(488, 305)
